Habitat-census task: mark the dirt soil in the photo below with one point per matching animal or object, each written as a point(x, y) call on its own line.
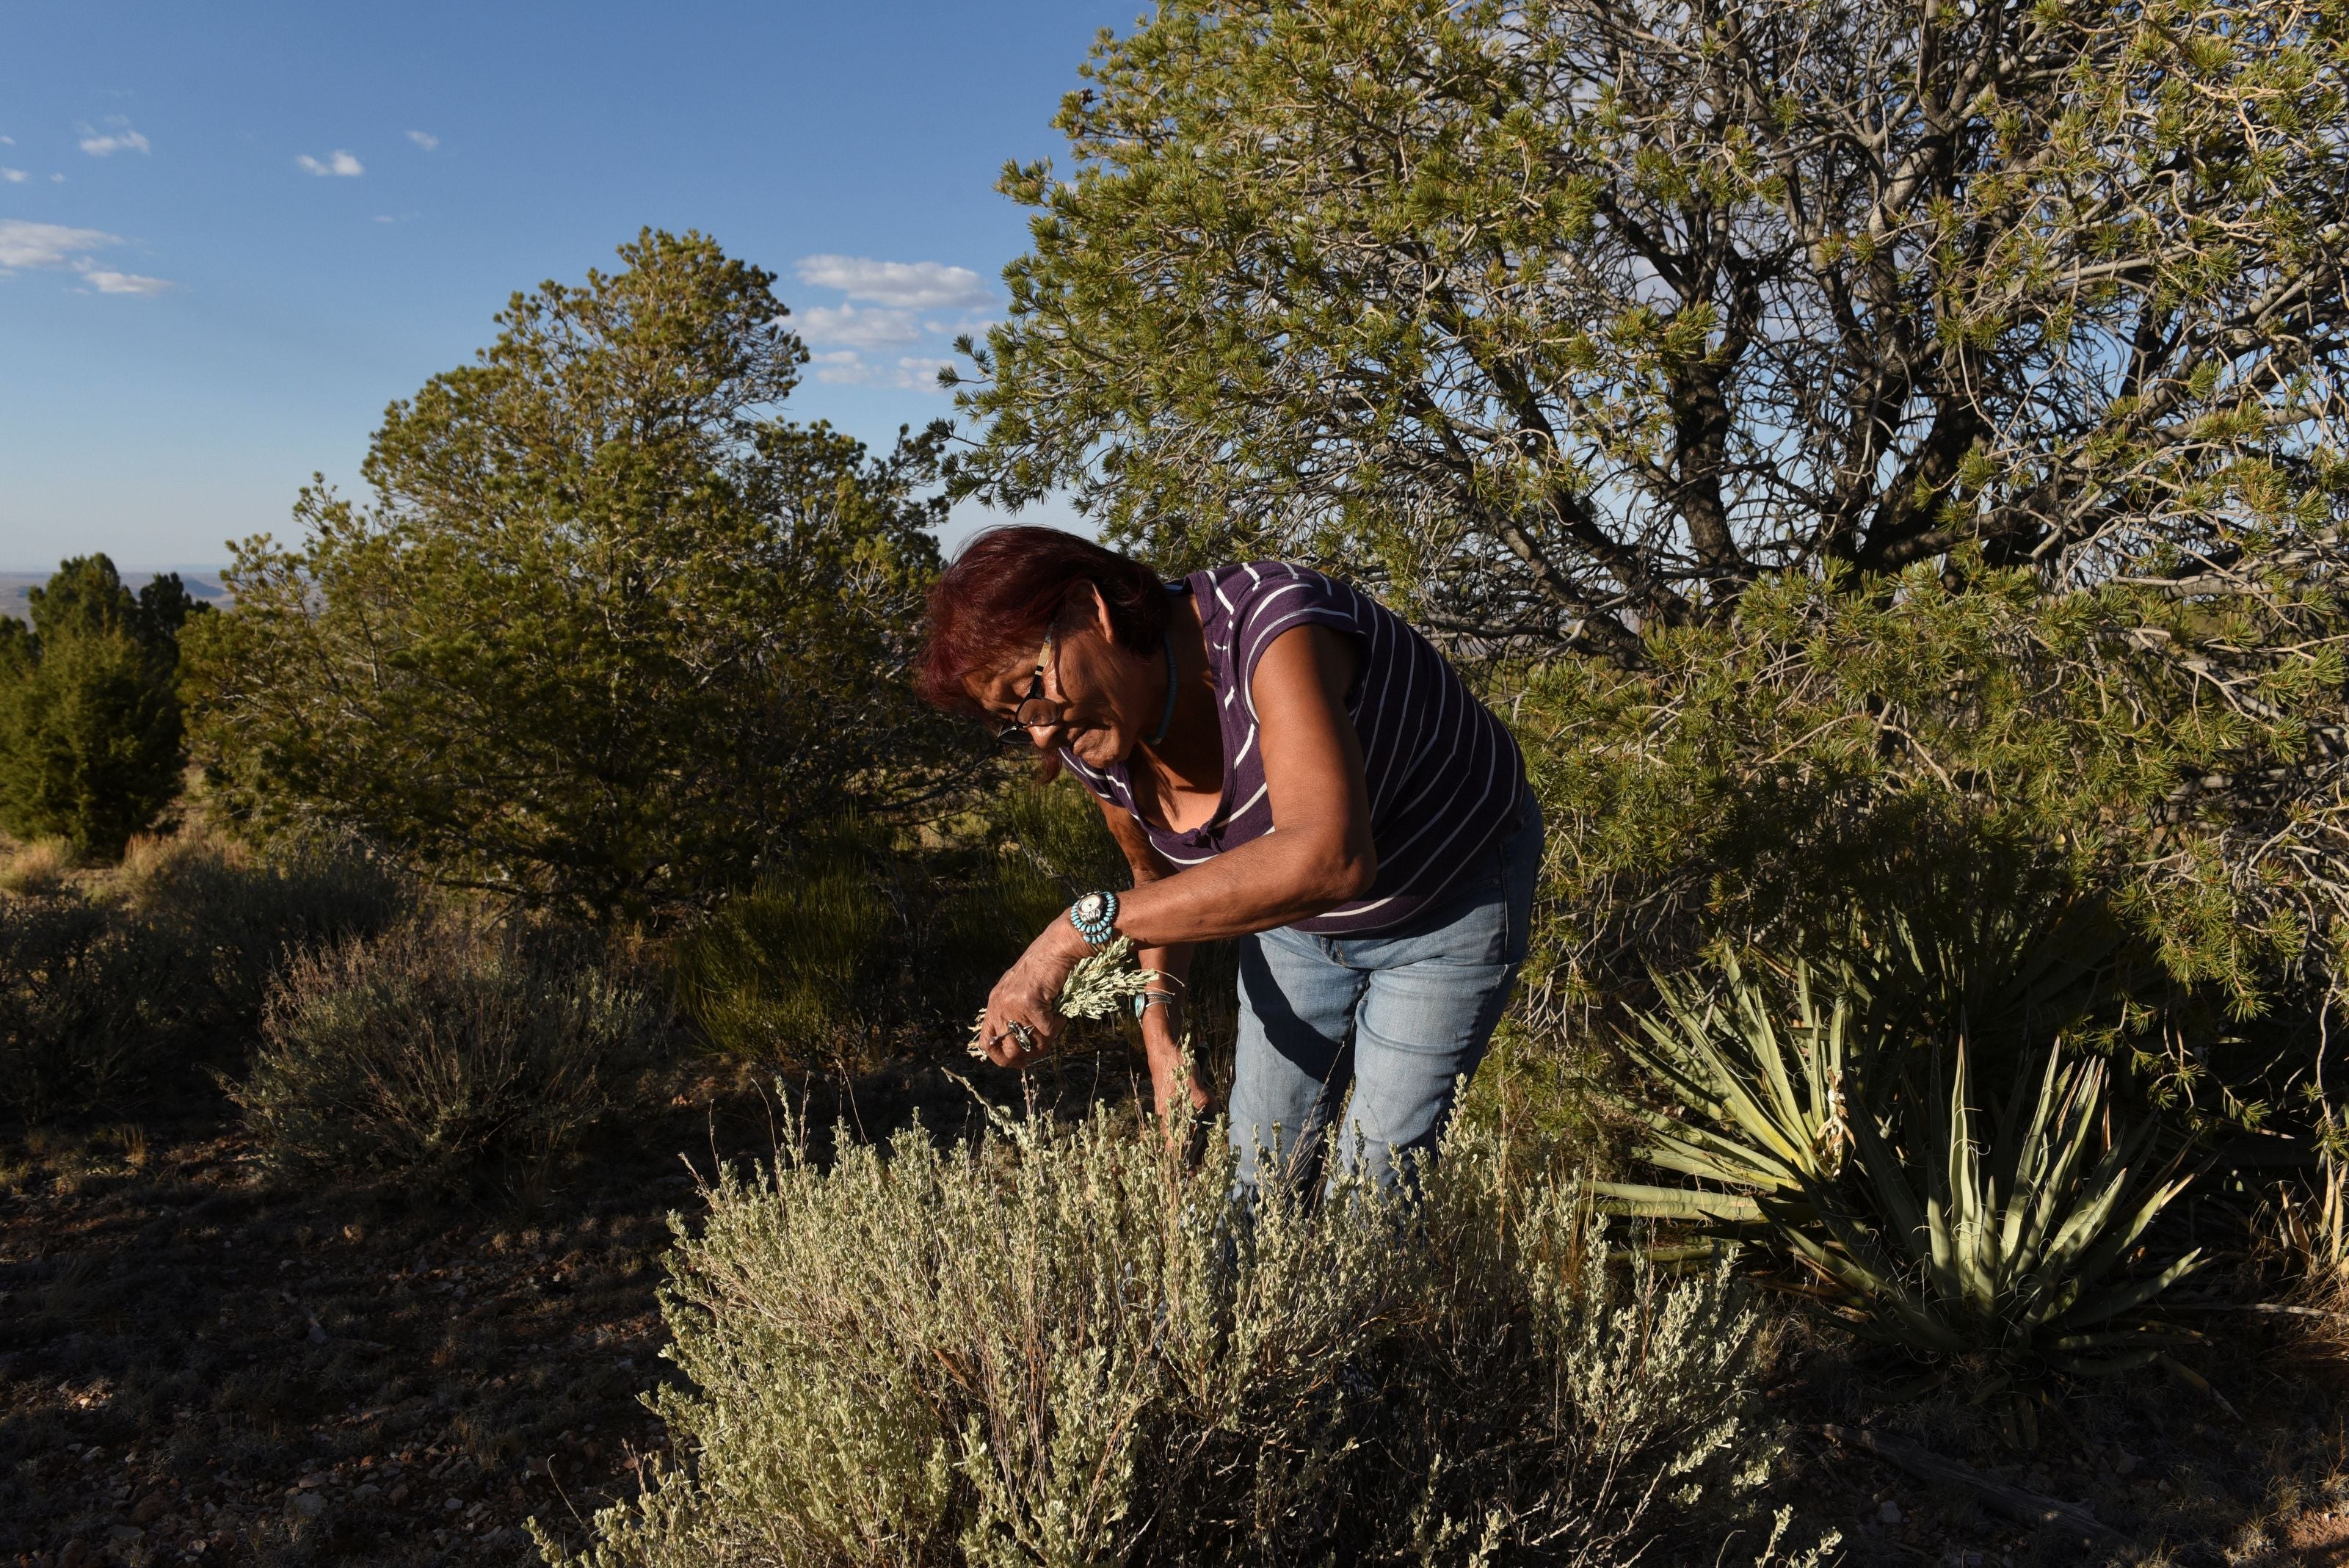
point(200, 1365)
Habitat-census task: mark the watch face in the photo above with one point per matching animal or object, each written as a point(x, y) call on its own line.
point(1091, 905)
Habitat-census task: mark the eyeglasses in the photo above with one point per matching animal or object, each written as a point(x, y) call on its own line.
point(1021, 731)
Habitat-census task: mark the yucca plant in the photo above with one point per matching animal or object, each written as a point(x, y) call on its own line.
point(2014, 1246)
point(1761, 1108)
point(1927, 1222)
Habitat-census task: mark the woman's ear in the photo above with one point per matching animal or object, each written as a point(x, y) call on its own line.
point(1086, 607)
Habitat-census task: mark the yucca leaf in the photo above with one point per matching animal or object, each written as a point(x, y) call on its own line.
point(2135, 1294)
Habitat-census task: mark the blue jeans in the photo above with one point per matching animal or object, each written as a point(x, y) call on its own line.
point(1399, 1017)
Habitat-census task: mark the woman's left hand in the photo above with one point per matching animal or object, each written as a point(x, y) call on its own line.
point(1029, 993)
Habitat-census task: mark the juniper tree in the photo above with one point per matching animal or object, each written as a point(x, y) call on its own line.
point(1929, 416)
point(89, 707)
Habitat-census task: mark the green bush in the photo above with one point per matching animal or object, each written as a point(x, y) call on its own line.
point(442, 1043)
point(74, 1032)
point(1062, 1346)
point(615, 633)
point(2023, 779)
point(90, 708)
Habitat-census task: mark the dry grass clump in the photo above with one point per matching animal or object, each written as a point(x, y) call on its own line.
point(1060, 1346)
point(225, 919)
point(443, 1043)
point(37, 869)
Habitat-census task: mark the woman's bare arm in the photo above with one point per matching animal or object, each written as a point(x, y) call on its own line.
point(1162, 1026)
point(1320, 854)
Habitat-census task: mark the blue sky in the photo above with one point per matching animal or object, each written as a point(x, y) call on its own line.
point(230, 233)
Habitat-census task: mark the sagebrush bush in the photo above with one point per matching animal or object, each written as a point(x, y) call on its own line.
point(223, 919)
point(1060, 1346)
point(443, 1043)
point(73, 1029)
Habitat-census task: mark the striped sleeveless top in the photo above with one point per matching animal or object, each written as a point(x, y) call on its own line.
point(1445, 777)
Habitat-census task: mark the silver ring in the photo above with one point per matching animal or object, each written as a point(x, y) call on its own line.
point(1023, 1033)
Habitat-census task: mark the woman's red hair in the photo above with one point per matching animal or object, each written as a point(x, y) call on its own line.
point(1009, 586)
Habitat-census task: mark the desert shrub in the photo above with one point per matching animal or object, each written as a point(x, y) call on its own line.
point(443, 1043)
point(2018, 777)
point(73, 1029)
point(614, 632)
point(90, 708)
point(225, 919)
point(37, 868)
point(861, 933)
point(1062, 1346)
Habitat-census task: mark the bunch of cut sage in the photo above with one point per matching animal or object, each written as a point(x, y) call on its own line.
point(1100, 983)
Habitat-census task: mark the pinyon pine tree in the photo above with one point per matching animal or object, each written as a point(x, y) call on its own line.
point(614, 629)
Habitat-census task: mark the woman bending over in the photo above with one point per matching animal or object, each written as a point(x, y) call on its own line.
point(1284, 760)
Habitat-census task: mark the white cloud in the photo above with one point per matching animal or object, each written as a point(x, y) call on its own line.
point(24, 244)
point(908, 285)
point(106, 143)
point(56, 179)
point(124, 282)
point(8, 141)
point(847, 368)
point(841, 368)
point(14, 176)
point(341, 163)
point(871, 328)
point(919, 374)
point(46, 244)
point(424, 139)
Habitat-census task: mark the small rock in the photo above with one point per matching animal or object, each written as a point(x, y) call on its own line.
point(318, 1334)
point(309, 1504)
point(367, 1491)
point(124, 1534)
point(153, 1503)
point(2125, 1463)
point(1889, 1511)
point(399, 1494)
point(453, 1504)
point(76, 1554)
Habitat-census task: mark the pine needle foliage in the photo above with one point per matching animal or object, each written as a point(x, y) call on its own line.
point(614, 631)
point(2130, 786)
point(90, 708)
point(1570, 318)
point(1062, 1346)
